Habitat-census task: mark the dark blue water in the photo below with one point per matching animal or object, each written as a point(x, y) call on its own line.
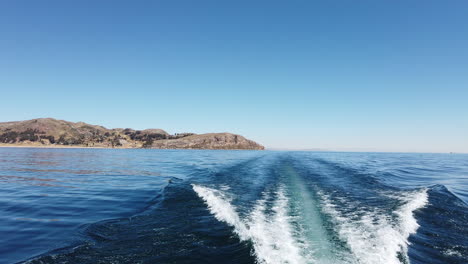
point(188, 206)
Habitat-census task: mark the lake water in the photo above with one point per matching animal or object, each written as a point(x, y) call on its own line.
point(194, 206)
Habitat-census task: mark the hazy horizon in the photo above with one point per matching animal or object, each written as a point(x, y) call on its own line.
point(339, 76)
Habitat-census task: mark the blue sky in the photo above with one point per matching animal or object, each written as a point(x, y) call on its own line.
point(337, 75)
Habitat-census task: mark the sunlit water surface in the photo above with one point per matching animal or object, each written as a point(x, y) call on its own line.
point(189, 206)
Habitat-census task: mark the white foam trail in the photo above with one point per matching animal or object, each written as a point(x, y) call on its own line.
point(220, 206)
point(414, 201)
point(373, 237)
point(272, 236)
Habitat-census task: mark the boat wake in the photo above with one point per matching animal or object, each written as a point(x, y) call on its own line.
point(374, 236)
point(369, 236)
point(272, 236)
point(273, 208)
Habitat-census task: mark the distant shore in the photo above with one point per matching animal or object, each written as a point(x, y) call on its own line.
point(5, 145)
point(54, 133)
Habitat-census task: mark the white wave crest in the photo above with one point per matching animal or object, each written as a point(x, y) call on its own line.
point(220, 206)
point(272, 236)
point(373, 237)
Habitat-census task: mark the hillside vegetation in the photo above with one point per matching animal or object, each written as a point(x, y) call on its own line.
point(53, 132)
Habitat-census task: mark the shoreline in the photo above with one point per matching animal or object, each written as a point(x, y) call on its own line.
point(4, 145)
point(53, 133)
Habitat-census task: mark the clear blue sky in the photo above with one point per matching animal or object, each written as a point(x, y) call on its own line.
point(338, 74)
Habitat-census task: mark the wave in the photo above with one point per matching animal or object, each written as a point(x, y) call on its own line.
point(272, 236)
point(373, 236)
point(220, 206)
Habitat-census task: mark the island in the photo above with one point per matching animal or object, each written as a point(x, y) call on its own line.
point(50, 132)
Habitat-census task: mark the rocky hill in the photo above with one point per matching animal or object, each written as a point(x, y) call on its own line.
point(52, 132)
point(208, 141)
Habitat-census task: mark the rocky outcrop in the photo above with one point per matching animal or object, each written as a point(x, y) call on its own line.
point(209, 141)
point(53, 132)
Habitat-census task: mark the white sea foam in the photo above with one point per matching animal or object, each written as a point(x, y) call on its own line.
point(452, 252)
point(272, 236)
point(373, 237)
point(220, 206)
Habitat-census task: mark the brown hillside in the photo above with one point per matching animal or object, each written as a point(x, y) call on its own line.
point(53, 132)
